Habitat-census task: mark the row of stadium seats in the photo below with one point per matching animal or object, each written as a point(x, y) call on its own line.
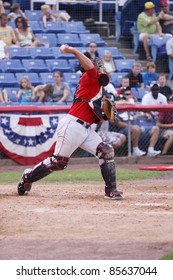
point(51, 65)
point(54, 52)
point(56, 27)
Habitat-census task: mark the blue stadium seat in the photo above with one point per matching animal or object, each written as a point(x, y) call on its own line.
point(116, 78)
point(12, 66)
point(74, 63)
point(33, 77)
point(71, 39)
point(158, 45)
point(19, 53)
point(87, 38)
point(8, 80)
point(48, 38)
point(114, 51)
point(75, 27)
point(35, 65)
point(36, 27)
point(11, 91)
point(56, 52)
point(54, 27)
point(124, 65)
point(47, 78)
point(170, 66)
point(71, 78)
point(33, 15)
point(58, 65)
point(42, 53)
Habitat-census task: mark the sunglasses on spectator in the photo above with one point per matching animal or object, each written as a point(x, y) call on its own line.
point(164, 6)
point(92, 46)
point(155, 89)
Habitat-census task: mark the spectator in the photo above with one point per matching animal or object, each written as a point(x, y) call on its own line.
point(124, 84)
point(165, 122)
point(3, 96)
point(4, 54)
point(51, 3)
point(135, 76)
point(150, 76)
point(6, 32)
point(15, 12)
point(167, 21)
point(164, 89)
point(47, 16)
point(108, 62)
point(148, 24)
point(2, 10)
point(24, 34)
point(92, 52)
point(121, 126)
point(61, 89)
point(43, 93)
point(26, 92)
point(154, 97)
point(116, 139)
point(169, 47)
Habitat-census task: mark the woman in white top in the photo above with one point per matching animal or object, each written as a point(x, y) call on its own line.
point(4, 54)
point(108, 62)
point(24, 34)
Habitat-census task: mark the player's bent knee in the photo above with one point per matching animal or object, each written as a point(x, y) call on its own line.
point(56, 162)
point(105, 151)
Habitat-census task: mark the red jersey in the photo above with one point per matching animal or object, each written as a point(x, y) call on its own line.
point(88, 87)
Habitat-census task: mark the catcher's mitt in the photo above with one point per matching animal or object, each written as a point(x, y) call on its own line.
point(109, 109)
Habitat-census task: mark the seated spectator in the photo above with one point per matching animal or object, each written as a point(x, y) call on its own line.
point(6, 32)
point(24, 34)
point(116, 139)
point(61, 89)
point(167, 21)
point(108, 62)
point(15, 12)
point(148, 24)
point(4, 54)
point(26, 91)
point(150, 76)
point(92, 52)
point(121, 126)
point(164, 88)
point(169, 47)
point(3, 96)
point(2, 10)
point(165, 122)
point(135, 76)
point(124, 84)
point(47, 16)
point(154, 97)
point(43, 93)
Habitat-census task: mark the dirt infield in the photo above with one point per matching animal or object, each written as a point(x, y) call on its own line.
point(66, 222)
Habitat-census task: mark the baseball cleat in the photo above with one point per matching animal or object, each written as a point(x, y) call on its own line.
point(114, 195)
point(24, 186)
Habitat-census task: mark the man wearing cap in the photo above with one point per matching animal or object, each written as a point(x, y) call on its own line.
point(154, 97)
point(148, 24)
point(165, 122)
point(167, 21)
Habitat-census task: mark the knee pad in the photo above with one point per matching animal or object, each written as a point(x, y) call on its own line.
point(54, 163)
point(46, 167)
point(105, 152)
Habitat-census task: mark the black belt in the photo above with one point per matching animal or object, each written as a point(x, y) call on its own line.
point(83, 123)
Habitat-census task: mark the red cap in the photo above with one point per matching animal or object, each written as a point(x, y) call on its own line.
point(163, 3)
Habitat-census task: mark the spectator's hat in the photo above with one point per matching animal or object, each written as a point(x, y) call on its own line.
point(163, 3)
point(149, 5)
point(170, 98)
point(155, 86)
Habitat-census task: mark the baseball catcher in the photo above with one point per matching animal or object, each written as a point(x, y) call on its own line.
point(75, 130)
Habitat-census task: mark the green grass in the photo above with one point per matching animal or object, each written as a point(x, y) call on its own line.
point(168, 256)
point(84, 175)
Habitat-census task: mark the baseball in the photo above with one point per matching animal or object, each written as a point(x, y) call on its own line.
point(62, 48)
